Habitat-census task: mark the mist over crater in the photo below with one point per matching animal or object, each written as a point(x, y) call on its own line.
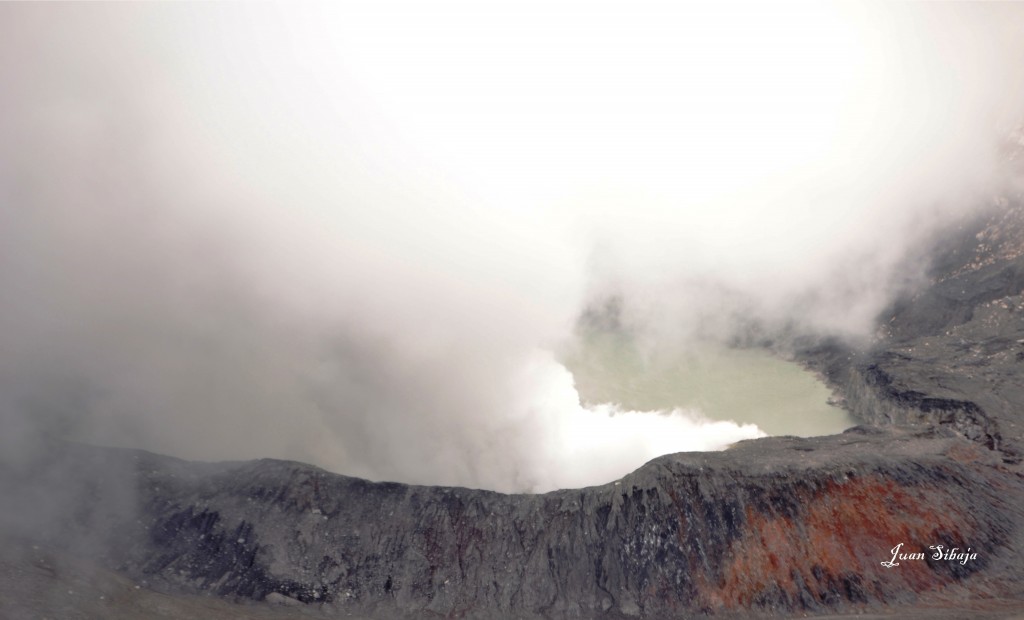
point(364, 238)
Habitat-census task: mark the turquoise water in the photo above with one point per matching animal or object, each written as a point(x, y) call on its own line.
point(742, 385)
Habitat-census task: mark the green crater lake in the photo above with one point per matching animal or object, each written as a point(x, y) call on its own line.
point(742, 385)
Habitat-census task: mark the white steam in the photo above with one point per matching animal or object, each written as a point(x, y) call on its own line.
point(583, 446)
point(354, 233)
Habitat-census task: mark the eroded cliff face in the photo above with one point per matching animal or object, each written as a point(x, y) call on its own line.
point(952, 355)
point(779, 526)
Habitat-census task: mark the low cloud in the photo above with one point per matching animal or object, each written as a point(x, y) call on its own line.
point(359, 237)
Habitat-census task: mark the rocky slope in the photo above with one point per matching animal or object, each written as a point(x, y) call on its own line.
point(778, 526)
point(951, 355)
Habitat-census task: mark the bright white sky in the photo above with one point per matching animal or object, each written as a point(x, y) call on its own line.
point(649, 126)
point(564, 94)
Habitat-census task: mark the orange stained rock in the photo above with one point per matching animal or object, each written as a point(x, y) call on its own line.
point(845, 529)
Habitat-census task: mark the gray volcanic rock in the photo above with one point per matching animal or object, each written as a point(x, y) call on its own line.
point(774, 525)
point(777, 526)
point(953, 354)
point(784, 524)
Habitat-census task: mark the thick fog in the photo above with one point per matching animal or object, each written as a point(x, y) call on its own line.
point(359, 234)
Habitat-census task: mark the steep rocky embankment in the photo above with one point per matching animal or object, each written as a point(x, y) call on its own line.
point(780, 526)
point(952, 355)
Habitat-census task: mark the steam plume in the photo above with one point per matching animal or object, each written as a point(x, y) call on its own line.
point(356, 234)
